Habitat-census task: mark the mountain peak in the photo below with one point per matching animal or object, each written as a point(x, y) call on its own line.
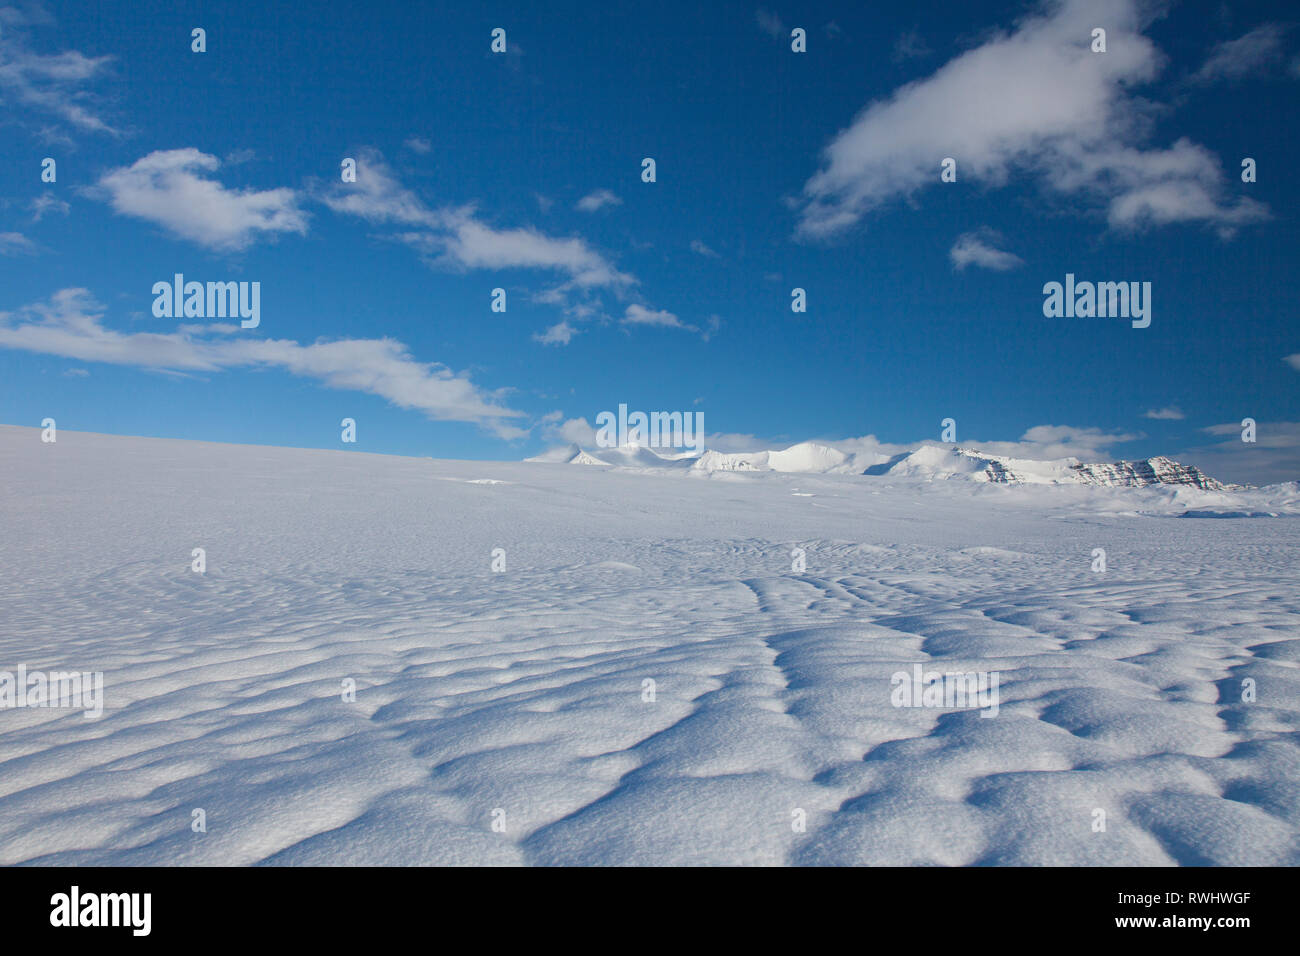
point(930, 462)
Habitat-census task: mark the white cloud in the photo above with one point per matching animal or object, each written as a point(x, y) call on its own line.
point(170, 188)
point(1293, 361)
point(640, 315)
point(575, 430)
point(1040, 443)
point(909, 46)
point(597, 200)
point(979, 248)
point(55, 83)
point(1233, 59)
point(69, 325)
point(1063, 441)
point(1172, 413)
point(698, 246)
point(1035, 101)
point(1274, 456)
point(561, 333)
point(417, 144)
point(475, 245)
point(770, 23)
point(45, 203)
point(457, 236)
point(15, 243)
point(378, 197)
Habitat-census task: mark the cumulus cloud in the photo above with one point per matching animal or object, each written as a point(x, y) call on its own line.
point(70, 325)
point(1032, 101)
point(574, 430)
point(597, 200)
point(1247, 54)
point(1171, 413)
point(979, 248)
point(171, 188)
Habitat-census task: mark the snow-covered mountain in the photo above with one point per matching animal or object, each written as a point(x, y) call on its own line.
point(1151, 471)
point(941, 462)
point(929, 462)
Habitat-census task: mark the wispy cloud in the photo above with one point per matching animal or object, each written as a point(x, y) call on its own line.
point(698, 246)
point(459, 237)
point(1171, 413)
point(769, 23)
point(1247, 54)
point(1034, 101)
point(598, 199)
point(70, 325)
point(171, 188)
point(55, 84)
point(910, 46)
point(640, 315)
point(476, 245)
point(15, 243)
point(979, 248)
point(1273, 456)
point(44, 204)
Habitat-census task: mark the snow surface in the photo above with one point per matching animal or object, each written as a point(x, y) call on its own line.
point(523, 690)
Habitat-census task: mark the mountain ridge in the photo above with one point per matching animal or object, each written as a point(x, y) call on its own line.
point(930, 462)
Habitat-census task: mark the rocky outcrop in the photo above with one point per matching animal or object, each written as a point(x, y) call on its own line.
point(1151, 471)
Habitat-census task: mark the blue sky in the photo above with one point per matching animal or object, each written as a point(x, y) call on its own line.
point(775, 170)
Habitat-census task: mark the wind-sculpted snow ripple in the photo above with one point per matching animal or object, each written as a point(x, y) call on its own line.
point(654, 676)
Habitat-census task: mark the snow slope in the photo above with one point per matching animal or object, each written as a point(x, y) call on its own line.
point(524, 691)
